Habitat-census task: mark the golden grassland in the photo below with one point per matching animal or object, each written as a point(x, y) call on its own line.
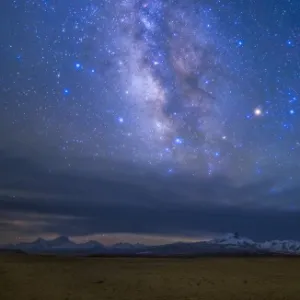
point(25, 277)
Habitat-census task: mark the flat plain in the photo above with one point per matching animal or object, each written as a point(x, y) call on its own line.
point(30, 277)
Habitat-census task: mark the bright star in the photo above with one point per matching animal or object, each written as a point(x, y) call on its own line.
point(178, 141)
point(121, 120)
point(292, 112)
point(258, 112)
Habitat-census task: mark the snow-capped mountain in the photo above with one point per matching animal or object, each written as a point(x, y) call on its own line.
point(233, 239)
point(286, 246)
point(275, 246)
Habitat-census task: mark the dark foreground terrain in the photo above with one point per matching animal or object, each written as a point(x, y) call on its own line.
point(26, 277)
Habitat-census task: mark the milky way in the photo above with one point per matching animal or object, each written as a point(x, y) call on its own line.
point(177, 86)
point(166, 68)
point(173, 85)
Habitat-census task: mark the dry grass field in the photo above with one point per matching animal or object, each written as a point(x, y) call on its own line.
point(25, 277)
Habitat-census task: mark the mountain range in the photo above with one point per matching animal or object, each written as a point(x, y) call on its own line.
point(228, 244)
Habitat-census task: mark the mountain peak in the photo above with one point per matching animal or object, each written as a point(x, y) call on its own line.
point(233, 239)
point(92, 243)
point(61, 241)
point(39, 241)
point(62, 238)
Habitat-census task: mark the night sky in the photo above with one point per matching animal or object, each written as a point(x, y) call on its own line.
point(150, 120)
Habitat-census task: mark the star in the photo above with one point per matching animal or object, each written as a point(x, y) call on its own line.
point(257, 112)
point(179, 141)
point(292, 112)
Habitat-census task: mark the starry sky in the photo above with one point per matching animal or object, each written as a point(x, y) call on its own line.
point(149, 119)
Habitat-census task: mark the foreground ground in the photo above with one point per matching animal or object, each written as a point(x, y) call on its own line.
point(25, 277)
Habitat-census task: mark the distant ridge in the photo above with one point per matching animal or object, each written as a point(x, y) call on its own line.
point(229, 244)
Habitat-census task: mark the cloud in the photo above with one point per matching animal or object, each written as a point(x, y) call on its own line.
point(79, 204)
